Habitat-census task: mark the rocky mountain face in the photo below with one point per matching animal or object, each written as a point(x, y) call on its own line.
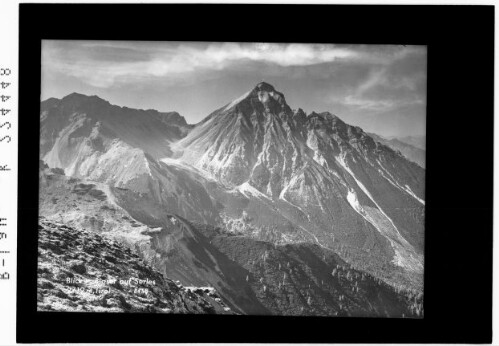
point(88, 137)
point(77, 128)
point(253, 186)
point(413, 152)
point(338, 185)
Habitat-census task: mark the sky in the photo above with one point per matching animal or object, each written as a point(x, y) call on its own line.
point(381, 88)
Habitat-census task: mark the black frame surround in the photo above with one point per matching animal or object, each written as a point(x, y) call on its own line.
point(460, 100)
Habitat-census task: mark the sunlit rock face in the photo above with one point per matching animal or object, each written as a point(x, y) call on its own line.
point(314, 162)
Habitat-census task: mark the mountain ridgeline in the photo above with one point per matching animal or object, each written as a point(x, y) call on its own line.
point(282, 212)
point(410, 147)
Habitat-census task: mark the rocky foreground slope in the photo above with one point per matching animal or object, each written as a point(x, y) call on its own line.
point(80, 270)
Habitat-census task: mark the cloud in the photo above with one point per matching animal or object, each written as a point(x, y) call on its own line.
point(400, 82)
point(280, 54)
point(105, 64)
point(375, 86)
point(381, 105)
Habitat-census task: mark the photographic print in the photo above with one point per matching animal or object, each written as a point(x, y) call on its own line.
point(232, 178)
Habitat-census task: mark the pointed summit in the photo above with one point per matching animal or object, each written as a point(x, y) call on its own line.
point(79, 96)
point(263, 97)
point(263, 86)
point(81, 100)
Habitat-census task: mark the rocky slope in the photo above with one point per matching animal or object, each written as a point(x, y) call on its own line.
point(76, 128)
point(89, 138)
point(79, 270)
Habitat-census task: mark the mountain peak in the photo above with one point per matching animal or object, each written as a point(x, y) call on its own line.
point(263, 86)
point(78, 99)
point(269, 97)
point(264, 94)
point(48, 103)
point(75, 95)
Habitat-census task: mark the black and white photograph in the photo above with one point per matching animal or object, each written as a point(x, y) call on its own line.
point(232, 178)
point(263, 172)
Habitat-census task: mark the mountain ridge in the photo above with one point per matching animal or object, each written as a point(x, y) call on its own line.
point(254, 167)
point(81, 98)
point(414, 153)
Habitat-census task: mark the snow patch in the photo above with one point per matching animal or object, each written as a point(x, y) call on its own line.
point(352, 199)
point(148, 168)
point(409, 191)
point(246, 188)
point(320, 159)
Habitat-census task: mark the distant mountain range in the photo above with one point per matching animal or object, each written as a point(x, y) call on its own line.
point(415, 141)
point(280, 211)
point(413, 148)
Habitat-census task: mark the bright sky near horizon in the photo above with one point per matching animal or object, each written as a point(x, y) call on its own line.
point(381, 88)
